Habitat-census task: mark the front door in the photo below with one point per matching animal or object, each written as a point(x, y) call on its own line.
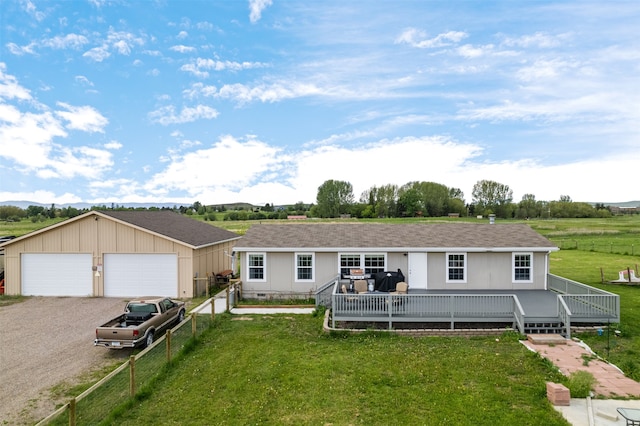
point(418, 270)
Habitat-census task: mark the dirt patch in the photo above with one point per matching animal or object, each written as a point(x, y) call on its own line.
point(47, 342)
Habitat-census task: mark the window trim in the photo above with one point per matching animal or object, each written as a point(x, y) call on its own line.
point(297, 267)
point(513, 267)
point(264, 267)
point(448, 268)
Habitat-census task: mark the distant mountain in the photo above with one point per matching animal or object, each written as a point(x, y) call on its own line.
point(24, 204)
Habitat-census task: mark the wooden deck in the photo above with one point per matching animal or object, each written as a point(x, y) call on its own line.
point(565, 302)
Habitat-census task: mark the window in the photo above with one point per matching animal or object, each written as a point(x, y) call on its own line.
point(370, 263)
point(456, 267)
point(256, 266)
point(373, 263)
point(348, 262)
point(304, 266)
point(522, 267)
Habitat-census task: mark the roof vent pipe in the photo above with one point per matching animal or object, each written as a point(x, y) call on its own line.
point(492, 219)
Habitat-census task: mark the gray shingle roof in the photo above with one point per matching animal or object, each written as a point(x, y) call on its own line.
point(390, 236)
point(173, 225)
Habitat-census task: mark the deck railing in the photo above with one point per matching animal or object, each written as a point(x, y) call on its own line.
point(564, 313)
point(576, 303)
point(323, 293)
point(586, 303)
point(446, 308)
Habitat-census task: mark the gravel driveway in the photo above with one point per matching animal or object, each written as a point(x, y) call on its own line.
point(46, 341)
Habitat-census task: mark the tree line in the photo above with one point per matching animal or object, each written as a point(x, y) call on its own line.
point(335, 198)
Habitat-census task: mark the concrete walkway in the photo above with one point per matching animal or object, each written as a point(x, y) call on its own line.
point(220, 304)
point(570, 356)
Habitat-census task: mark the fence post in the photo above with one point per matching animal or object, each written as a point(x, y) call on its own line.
point(168, 346)
point(193, 325)
point(72, 412)
point(132, 375)
point(213, 308)
point(227, 289)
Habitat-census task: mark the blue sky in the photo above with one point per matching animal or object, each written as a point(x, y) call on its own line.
point(262, 101)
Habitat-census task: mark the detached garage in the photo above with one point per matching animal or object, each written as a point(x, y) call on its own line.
point(117, 254)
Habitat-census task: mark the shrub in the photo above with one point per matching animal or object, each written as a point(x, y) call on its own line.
point(580, 384)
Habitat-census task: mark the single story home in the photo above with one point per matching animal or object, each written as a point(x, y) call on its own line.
point(456, 274)
point(297, 259)
point(111, 253)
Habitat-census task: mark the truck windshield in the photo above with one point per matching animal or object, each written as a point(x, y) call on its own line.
point(142, 307)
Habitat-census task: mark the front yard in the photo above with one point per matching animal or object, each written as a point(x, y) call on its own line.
point(282, 369)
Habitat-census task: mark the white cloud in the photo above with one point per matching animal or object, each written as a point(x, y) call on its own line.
point(81, 79)
point(183, 49)
point(199, 89)
point(97, 54)
point(273, 92)
point(201, 66)
point(538, 39)
point(237, 163)
point(45, 196)
point(418, 38)
point(30, 8)
point(84, 118)
point(182, 35)
point(469, 51)
point(167, 115)
point(256, 7)
point(113, 145)
point(69, 41)
point(9, 86)
point(21, 50)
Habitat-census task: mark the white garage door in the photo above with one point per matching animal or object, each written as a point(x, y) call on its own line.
point(56, 274)
point(136, 275)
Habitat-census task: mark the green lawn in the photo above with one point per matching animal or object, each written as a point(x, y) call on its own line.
point(283, 370)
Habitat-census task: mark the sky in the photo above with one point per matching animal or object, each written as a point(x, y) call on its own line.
point(262, 101)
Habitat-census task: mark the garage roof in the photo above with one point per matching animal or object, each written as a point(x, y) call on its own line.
point(161, 222)
point(174, 225)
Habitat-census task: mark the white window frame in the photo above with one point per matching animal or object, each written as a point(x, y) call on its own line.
point(297, 267)
point(361, 256)
point(264, 266)
point(384, 260)
point(464, 267)
point(514, 267)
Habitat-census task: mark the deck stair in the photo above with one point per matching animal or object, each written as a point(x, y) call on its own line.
point(547, 339)
point(544, 327)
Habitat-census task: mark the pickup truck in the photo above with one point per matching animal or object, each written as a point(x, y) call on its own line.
point(142, 320)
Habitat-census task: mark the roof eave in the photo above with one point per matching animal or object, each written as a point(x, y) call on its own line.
point(398, 249)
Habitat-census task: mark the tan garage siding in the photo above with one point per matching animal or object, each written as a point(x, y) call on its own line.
point(96, 234)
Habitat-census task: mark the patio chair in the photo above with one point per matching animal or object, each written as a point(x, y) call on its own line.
point(361, 286)
point(401, 288)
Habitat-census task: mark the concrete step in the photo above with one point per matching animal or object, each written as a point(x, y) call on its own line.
point(547, 339)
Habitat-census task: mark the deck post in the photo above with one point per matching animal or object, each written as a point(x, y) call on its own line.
point(390, 309)
point(452, 311)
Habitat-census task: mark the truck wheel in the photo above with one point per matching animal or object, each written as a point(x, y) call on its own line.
point(149, 341)
point(180, 317)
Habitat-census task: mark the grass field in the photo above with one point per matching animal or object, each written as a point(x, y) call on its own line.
point(281, 369)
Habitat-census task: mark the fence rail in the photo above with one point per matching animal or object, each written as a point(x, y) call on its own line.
point(620, 248)
point(97, 402)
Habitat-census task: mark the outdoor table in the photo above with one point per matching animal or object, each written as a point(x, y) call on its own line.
point(631, 415)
